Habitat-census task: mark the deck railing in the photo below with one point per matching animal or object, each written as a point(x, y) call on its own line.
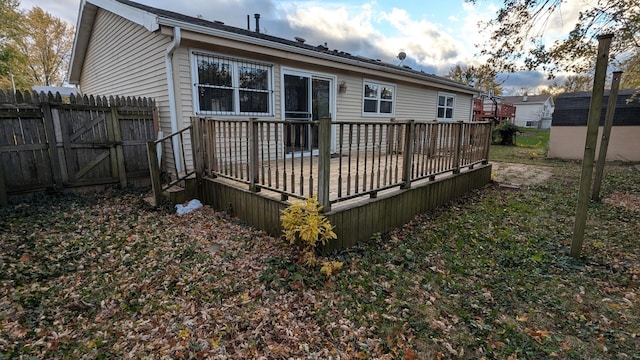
point(295, 158)
point(169, 150)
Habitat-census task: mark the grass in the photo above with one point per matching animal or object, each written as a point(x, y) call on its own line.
point(487, 276)
point(531, 147)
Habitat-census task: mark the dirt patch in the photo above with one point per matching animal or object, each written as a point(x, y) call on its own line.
point(629, 201)
point(519, 174)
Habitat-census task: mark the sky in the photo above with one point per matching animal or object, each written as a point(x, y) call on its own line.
point(435, 35)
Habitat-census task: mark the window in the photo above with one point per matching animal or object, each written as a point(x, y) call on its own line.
point(446, 103)
point(378, 98)
point(228, 86)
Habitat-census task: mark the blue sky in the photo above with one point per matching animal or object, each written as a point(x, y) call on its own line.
point(435, 35)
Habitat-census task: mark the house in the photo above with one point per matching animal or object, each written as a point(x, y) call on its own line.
point(193, 66)
point(532, 111)
point(493, 108)
point(569, 126)
point(65, 92)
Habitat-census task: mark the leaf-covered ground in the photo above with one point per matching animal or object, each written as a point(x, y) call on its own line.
point(487, 276)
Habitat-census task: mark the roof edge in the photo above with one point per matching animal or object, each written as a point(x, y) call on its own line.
point(279, 46)
point(84, 27)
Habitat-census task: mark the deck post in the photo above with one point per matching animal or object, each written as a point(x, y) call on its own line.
point(324, 163)
point(409, 135)
point(456, 155)
point(488, 129)
point(154, 169)
point(196, 149)
point(253, 155)
point(606, 133)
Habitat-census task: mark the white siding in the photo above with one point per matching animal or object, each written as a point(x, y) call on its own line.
point(125, 59)
point(528, 112)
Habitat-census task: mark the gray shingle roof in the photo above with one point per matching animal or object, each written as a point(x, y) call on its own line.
point(296, 44)
point(572, 109)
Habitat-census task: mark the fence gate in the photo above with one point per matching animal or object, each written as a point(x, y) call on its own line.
point(92, 145)
point(45, 141)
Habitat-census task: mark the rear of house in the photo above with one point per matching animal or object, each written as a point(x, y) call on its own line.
point(569, 129)
point(197, 67)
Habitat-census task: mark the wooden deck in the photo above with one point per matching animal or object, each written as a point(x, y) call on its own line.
point(355, 219)
point(378, 176)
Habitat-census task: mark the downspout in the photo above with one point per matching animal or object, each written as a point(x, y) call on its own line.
point(173, 111)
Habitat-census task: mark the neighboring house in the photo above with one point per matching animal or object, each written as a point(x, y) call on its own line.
point(193, 66)
point(569, 129)
point(65, 92)
point(532, 111)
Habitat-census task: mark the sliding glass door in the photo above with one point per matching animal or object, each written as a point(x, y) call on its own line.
point(306, 97)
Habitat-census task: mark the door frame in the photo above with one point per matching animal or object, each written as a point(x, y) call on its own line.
point(333, 79)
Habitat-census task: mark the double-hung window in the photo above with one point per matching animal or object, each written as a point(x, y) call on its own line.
point(227, 86)
point(378, 98)
point(446, 104)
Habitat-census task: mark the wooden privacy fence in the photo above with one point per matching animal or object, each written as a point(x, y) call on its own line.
point(297, 159)
point(45, 141)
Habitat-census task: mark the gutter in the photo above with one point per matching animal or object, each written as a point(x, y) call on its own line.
point(173, 111)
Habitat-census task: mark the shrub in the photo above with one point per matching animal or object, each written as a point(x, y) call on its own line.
point(505, 134)
point(304, 226)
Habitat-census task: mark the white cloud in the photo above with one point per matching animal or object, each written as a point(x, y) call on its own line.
point(334, 20)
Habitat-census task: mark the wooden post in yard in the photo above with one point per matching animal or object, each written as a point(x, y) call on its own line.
point(606, 133)
point(595, 108)
point(154, 168)
point(324, 163)
point(253, 155)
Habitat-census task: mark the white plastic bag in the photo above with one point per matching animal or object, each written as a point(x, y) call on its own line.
point(191, 205)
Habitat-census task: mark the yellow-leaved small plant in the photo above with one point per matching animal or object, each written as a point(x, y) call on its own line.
point(329, 268)
point(305, 226)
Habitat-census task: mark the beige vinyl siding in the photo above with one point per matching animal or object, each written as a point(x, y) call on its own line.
point(416, 103)
point(462, 111)
point(125, 59)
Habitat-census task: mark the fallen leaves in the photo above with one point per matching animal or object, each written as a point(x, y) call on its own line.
point(485, 279)
point(538, 335)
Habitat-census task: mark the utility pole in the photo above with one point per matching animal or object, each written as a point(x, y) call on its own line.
point(595, 109)
point(606, 134)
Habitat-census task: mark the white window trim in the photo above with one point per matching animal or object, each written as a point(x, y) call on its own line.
point(453, 107)
point(393, 101)
point(234, 60)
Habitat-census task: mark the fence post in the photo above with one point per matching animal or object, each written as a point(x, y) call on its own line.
point(456, 155)
point(117, 138)
point(409, 135)
point(4, 200)
point(253, 155)
point(60, 144)
point(324, 163)
point(154, 168)
point(53, 144)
